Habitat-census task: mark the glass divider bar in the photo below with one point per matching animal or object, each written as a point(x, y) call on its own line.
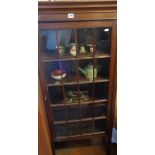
point(57, 45)
point(94, 52)
point(62, 83)
point(56, 54)
point(78, 81)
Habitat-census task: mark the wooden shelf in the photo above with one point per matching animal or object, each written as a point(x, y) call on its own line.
point(50, 58)
point(90, 101)
point(82, 120)
point(83, 80)
point(83, 136)
point(72, 80)
point(95, 118)
point(69, 80)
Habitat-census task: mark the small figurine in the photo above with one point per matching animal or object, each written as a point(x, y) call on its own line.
point(82, 50)
point(73, 49)
point(91, 49)
point(61, 49)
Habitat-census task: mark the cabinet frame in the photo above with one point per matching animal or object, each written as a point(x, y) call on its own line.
point(52, 16)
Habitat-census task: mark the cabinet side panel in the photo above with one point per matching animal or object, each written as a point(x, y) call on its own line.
point(112, 82)
point(44, 146)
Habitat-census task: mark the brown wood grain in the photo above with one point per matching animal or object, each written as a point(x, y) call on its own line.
point(77, 16)
point(44, 145)
point(88, 150)
point(77, 4)
point(44, 92)
point(98, 6)
point(112, 87)
point(74, 25)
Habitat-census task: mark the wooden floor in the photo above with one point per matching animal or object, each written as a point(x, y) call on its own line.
point(79, 148)
point(93, 150)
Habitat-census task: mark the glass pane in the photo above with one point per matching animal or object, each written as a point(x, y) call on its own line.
point(85, 36)
point(97, 40)
point(66, 42)
point(87, 111)
point(82, 41)
point(103, 40)
point(86, 40)
point(100, 125)
point(87, 127)
point(102, 68)
point(58, 72)
point(100, 110)
point(51, 76)
point(86, 91)
point(59, 114)
point(61, 130)
point(56, 95)
point(71, 94)
point(62, 52)
point(86, 70)
point(101, 91)
point(73, 113)
point(66, 37)
point(74, 129)
point(48, 38)
point(100, 73)
point(70, 68)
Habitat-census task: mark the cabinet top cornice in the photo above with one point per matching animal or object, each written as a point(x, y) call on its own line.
point(77, 5)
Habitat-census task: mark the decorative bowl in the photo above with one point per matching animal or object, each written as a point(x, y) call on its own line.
point(58, 74)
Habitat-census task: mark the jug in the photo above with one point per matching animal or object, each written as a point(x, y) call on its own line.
point(88, 71)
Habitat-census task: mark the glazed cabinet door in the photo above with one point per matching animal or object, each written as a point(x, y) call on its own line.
point(77, 62)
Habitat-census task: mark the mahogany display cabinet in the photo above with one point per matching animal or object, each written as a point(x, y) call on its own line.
point(77, 68)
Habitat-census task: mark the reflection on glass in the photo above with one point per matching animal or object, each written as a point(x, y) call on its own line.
point(74, 129)
point(65, 37)
point(49, 41)
point(59, 114)
point(87, 111)
point(100, 110)
point(87, 127)
point(61, 130)
point(66, 42)
point(101, 91)
point(100, 125)
point(73, 42)
point(85, 36)
point(103, 39)
point(56, 95)
point(73, 113)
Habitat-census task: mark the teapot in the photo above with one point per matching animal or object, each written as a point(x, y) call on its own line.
point(88, 71)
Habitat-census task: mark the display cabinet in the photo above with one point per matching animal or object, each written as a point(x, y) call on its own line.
point(77, 68)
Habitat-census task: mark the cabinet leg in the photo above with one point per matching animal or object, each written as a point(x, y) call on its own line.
point(108, 146)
